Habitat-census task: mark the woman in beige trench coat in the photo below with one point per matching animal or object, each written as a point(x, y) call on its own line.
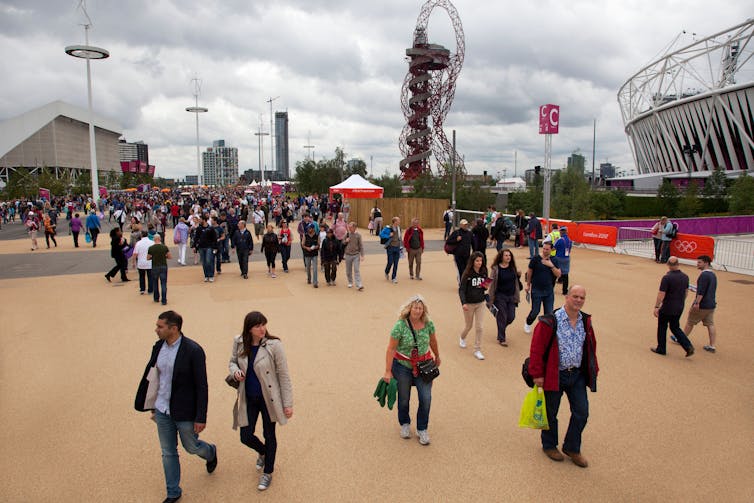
point(266, 390)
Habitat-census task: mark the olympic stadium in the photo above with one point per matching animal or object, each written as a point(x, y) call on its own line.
point(690, 110)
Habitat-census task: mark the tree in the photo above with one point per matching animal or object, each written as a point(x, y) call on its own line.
point(355, 167)
point(690, 205)
point(22, 184)
point(474, 197)
point(83, 184)
point(605, 205)
point(716, 191)
point(669, 198)
point(742, 196)
point(570, 195)
point(112, 180)
point(47, 179)
point(390, 184)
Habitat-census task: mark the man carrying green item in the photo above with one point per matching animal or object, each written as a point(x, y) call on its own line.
point(569, 366)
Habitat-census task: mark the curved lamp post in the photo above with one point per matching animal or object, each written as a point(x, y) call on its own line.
point(89, 52)
point(198, 110)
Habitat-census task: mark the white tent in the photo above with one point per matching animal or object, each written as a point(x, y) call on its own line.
point(356, 187)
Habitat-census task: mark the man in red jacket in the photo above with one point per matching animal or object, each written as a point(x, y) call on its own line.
point(563, 358)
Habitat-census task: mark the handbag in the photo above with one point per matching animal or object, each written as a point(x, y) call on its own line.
point(231, 381)
point(528, 379)
point(428, 369)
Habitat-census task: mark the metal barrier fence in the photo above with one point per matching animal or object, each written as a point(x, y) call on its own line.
point(635, 241)
point(735, 255)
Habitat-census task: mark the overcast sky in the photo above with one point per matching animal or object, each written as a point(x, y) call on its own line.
point(338, 66)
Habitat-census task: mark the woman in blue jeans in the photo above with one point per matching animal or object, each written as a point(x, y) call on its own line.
point(404, 350)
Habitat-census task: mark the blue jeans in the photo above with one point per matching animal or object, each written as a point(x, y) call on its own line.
point(311, 268)
point(406, 379)
point(533, 248)
point(225, 247)
point(393, 256)
point(160, 282)
point(207, 256)
point(537, 299)
point(168, 430)
point(573, 383)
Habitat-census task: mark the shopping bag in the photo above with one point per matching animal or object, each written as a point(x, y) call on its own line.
point(88, 237)
point(533, 411)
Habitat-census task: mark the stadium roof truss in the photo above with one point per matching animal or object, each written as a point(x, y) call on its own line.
point(686, 111)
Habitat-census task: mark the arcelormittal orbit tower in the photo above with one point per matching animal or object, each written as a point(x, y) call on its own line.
point(426, 96)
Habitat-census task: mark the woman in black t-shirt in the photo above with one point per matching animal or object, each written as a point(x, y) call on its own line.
point(472, 294)
point(504, 291)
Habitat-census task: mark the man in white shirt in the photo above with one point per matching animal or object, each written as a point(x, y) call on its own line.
point(143, 265)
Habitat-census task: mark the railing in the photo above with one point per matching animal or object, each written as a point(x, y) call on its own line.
point(635, 241)
point(735, 255)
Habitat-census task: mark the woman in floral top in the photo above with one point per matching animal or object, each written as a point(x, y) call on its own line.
point(401, 359)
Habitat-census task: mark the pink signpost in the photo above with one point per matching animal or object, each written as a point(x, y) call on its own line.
point(549, 121)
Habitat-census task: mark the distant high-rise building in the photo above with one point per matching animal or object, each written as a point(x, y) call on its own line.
point(607, 170)
point(220, 164)
point(136, 151)
point(192, 179)
point(577, 161)
point(282, 164)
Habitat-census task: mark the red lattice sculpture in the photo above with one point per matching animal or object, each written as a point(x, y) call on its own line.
point(426, 96)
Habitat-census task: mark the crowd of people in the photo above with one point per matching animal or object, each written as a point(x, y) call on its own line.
point(208, 225)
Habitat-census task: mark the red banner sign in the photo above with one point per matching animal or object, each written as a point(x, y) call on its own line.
point(601, 235)
point(44, 193)
point(549, 119)
point(690, 246)
point(103, 192)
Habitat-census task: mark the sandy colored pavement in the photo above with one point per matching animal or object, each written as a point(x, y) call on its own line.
point(73, 348)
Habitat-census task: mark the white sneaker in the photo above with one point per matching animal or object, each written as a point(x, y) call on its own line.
point(462, 343)
point(478, 355)
point(395, 281)
point(406, 430)
point(423, 437)
point(527, 328)
point(212, 279)
point(264, 481)
point(350, 285)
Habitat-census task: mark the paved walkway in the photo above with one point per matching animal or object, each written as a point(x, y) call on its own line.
point(73, 347)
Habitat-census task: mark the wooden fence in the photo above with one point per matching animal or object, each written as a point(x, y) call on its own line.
point(428, 211)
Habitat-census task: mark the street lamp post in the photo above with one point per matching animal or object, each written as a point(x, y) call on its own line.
point(259, 134)
point(89, 52)
point(272, 137)
point(196, 110)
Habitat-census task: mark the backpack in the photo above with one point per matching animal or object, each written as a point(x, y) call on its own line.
point(673, 231)
point(414, 242)
point(385, 235)
point(446, 217)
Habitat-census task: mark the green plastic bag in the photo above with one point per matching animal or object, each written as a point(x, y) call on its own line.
point(533, 411)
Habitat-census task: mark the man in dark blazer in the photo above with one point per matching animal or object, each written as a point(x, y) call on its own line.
point(174, 388)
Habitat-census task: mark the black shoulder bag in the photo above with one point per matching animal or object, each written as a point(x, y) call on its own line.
point(428, 369)
point(528, 379)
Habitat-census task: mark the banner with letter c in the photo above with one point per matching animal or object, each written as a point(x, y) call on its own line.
point(690, 246)
point(601, 235)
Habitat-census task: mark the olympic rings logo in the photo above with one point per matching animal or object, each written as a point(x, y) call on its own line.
point(685, 246)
